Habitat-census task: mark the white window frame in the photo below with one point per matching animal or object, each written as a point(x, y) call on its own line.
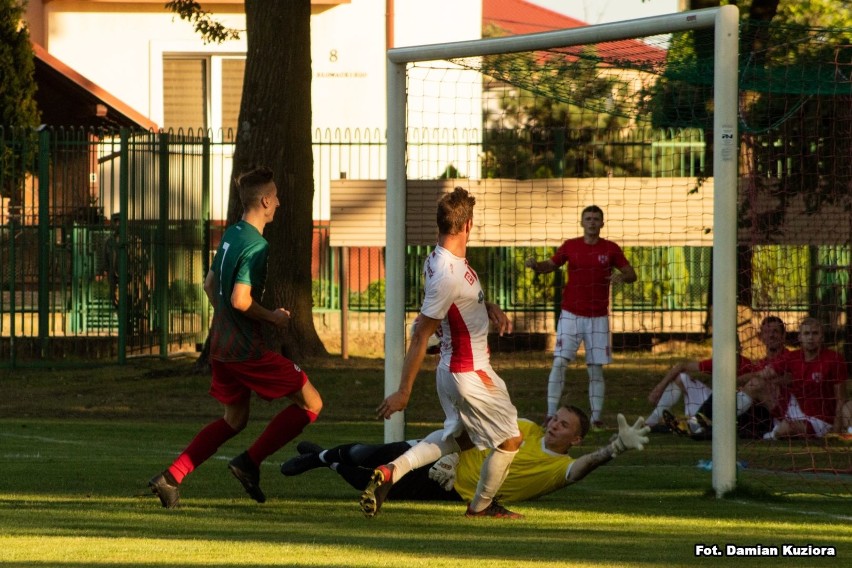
point(214, 53)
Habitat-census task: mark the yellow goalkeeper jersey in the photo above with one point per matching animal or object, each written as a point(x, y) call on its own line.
point(535, 471)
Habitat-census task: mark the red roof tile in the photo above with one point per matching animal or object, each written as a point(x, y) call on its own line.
point(520, 17)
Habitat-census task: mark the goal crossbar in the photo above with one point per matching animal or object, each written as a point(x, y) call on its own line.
point(725, 23)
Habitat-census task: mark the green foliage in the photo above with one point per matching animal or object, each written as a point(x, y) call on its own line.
point(550, 106)
point(531, 289)
point(186, 296)
point(780, 276)
point(19, 115)
point(451, 172)
point(210, 29)
point(670, 278)
point(371, 298)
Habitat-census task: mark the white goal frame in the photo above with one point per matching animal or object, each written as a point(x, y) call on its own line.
point(725, 23)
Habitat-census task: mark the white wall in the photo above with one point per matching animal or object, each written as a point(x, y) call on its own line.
point(121, 50)
point(120, 47)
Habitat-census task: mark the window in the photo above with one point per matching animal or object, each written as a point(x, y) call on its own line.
point(202, 91)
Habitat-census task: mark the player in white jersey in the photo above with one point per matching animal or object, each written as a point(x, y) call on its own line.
point(475, 400)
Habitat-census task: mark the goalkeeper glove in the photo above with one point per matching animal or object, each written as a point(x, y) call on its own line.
point(443, 471)
point(629, 437)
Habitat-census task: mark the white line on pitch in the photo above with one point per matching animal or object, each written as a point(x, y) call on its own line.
point(798, 511)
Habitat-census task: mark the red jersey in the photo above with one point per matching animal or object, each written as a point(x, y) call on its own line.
point(586, 293)
point(744, 365)
point(813, 381)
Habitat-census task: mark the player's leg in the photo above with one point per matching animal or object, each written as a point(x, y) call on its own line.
point(236, 400)
point(671, 395)
point(352, 455)
point(491, 421)
point(797, 424)
point(846, 418)
point(427, 451)
point(494, 470)
point(272, 377)
point(595, 333)
point(565, 350)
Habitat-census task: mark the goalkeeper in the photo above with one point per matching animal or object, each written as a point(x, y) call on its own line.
point(541, 466)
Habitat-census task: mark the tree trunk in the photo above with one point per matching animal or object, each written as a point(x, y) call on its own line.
point(275, 131)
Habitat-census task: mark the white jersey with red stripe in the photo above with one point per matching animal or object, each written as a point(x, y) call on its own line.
point(453, 295)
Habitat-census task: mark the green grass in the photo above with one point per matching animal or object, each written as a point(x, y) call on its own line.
point(78, 446)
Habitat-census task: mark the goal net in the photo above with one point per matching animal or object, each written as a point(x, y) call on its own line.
point(643, 119)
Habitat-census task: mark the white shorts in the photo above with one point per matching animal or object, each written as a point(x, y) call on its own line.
point(477, 402)
point(795, 413)
point(592, 332)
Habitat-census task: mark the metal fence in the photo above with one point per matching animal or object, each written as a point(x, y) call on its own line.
point(105, 238)
point(103, 244)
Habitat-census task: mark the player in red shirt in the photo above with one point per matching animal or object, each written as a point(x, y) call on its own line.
point(806, 388)
point(585, 303)
point(698, 403)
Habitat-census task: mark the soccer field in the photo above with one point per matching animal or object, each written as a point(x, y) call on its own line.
point(79, 446)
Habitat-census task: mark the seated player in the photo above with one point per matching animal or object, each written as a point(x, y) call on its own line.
point(805, 389)
point(698, 402)
point(541, 466)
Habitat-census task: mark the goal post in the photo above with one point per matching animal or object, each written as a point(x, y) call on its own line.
point(724, 21)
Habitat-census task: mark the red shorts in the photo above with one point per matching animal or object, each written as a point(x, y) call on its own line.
point(271, 376)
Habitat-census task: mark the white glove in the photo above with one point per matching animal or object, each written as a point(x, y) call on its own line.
point(444, 471)
point(629, 437)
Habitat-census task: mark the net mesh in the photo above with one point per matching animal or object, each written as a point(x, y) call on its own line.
point(627, 125)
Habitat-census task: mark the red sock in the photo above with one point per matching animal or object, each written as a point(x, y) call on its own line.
point(204, 445)
point(286, 425)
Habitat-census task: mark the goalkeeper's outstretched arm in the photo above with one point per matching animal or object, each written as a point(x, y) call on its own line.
point(628, 438)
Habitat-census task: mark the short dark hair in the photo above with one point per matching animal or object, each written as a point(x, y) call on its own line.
point(592, 209)
point(454, 210)
point(251, 185)
point(585, 423)
point(774, 319)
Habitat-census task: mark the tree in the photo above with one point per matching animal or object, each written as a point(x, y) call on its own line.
point(795, 118)
point(552, 108)
point(19, 114)
point(275, 130)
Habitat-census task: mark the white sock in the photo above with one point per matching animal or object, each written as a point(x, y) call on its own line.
point(670, 397)
point(491, 478)
point(597, 388)
point(429, 449)
point(555, 382)
point(744, 402)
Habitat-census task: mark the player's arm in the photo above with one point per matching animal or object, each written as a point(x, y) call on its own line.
point(397, 401)
point(676, 369)
point(628, 438)
point(242, 301)
point(540, 267)
point(498, 318)
point(625, 275)
point(210, 286)
point(765, 374)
